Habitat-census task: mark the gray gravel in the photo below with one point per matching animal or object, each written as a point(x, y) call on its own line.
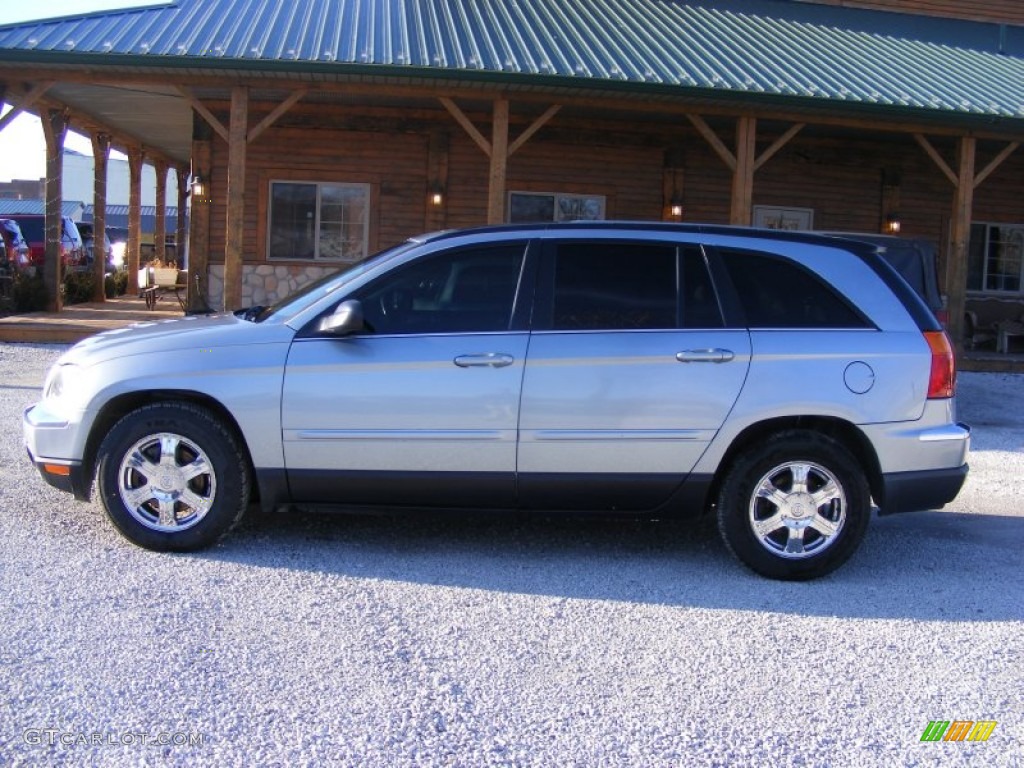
point(377, 641)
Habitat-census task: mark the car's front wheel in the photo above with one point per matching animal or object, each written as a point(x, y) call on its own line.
point(172, 477)
point(794, 507)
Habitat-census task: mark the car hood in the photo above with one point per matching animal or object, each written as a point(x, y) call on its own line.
point(199, 331)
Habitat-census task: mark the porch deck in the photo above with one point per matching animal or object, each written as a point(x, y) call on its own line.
point(78, 321)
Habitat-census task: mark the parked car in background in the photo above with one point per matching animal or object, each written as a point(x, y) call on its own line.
point(914, 258)
point(779, 381)
point(85, 229)
point(33, 228)
point(13, 248)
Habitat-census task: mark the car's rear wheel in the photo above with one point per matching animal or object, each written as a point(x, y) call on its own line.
point(172, 477)
point(794, 507)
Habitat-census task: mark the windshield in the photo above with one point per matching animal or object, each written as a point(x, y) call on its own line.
point(312, 292)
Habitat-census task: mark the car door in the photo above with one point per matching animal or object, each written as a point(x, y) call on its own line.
point(421, 407)
point(630, 373)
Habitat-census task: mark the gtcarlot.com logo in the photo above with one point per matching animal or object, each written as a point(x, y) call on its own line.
point(53, 737)
point(958, 730)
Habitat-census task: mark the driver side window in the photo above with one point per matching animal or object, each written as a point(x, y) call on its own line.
point(462, 291)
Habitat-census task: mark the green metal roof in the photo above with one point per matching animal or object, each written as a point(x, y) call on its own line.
point(761, 48)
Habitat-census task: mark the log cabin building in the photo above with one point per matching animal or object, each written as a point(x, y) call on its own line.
point(314, 132)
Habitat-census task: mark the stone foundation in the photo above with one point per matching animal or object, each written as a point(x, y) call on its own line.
point(263, 284)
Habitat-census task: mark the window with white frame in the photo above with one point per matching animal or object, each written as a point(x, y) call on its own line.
point(532, 207)
point(318, 221)
point(995, 261)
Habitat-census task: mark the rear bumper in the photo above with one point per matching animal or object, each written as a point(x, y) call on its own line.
point(919, 491)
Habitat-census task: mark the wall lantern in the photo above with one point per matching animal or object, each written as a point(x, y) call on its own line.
point(436, 193)
point(892, 224)
point(198, 186)
point(675, 208)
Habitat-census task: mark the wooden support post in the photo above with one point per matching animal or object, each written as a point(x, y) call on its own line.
point(160, 220)
point(499, 163)
point(743, 174)
point(55, 128)
point(100, 155)
point(135, 157)
point(180, 230)
point(960, 233)
point(199, 222)
point(233, 239)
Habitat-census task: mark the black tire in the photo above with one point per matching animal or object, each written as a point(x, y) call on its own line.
point(187, 485)
point(808, 528)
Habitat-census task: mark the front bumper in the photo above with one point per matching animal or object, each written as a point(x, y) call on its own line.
point(68, 477)
point(48, 438)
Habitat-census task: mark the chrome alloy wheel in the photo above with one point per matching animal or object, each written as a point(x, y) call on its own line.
point(166, 482)
point(797, 510)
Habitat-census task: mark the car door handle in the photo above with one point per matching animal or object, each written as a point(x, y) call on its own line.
point(705, 356)
point(487, 360)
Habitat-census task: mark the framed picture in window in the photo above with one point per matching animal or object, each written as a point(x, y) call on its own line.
point(773, 217)
point(533, 207)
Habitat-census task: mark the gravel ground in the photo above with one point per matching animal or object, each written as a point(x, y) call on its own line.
point(312, 640)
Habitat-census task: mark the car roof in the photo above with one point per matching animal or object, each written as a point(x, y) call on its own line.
point(668, 228)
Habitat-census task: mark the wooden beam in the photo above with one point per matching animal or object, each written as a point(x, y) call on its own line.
point(741, 207)
point(937, 158)
point(960, 234)
point(823, 114)
point(499, 163)
point(467, 125)
point(55, 128)
point(535, 126)
point(996, 162)
point(20, 103)
point(100, 158)
point(135, 158)
point(206, 114)
point(712, 138)
point(235, 223)
point(778, 144)
point(272, 118)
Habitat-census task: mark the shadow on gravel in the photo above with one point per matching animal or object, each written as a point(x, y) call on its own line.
point(934, 566)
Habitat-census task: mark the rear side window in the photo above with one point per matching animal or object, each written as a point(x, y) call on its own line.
point(613, 286)
point(777, 293)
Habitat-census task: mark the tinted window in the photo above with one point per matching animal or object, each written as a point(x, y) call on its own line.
point(777, 293)
point(469, 290)
point(612, 286)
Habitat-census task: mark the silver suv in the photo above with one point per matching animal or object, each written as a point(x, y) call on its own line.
point(782, 382)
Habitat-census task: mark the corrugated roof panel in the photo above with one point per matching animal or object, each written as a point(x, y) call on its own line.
point(770, 48)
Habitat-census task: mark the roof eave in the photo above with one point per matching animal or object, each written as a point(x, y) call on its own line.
point(801, 105)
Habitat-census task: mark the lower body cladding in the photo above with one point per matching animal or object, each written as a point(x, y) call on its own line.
point(575, 492)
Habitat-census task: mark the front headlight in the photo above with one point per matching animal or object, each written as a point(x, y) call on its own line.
point(60, 377)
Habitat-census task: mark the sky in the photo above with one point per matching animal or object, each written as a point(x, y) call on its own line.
point(22, 148)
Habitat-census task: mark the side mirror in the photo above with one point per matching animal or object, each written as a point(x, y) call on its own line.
point(347, 318)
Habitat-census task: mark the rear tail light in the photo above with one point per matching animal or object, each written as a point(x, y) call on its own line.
point(942, 379)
